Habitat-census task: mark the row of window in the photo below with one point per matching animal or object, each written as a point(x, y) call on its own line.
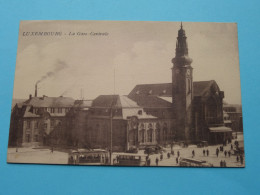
point(51, 110)
point(28, 138)
point(37, 124)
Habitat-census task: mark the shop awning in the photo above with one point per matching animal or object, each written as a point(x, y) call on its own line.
point(221, 129)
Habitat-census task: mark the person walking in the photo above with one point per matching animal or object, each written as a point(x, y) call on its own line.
point(221, 163)
point(225, 153)
point(161, 156)
point(177, 160)
point(229, 153)
point(231, 147)
point(217, 151)
point(241, 159)
point(157, 161)
point(237, 159)
point(207, 152)
point(168, 155)
point(178, 153)
point(193, 153)
point(172, 152)
point(203, 152)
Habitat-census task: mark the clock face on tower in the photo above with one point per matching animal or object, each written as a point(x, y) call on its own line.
point(188, 72)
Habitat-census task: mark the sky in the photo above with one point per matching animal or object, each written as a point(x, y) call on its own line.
point(129, 53)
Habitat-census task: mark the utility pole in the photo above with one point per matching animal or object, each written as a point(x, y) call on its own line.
point(111, 134)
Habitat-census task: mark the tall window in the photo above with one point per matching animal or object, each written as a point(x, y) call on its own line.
point(52, 110)
point(36, 125)
point(165, 131)
point(150, 135)
point(52, 123)
point(36, 138)
point(188, 86)
point(28, 124)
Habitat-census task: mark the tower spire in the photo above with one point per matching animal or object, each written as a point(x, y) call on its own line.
point(181, 51)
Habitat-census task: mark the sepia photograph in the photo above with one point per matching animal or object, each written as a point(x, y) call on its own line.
point(127, 93)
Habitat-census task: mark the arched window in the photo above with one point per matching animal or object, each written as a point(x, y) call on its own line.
point(141, 133)
point(165, 131)
point(188, 86)
point(150, 135)
point(157, 133)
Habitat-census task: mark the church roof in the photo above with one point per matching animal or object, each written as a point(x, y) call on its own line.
point(165, 89)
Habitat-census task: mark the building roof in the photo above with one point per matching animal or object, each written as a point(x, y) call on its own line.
point(83, 103)
point(55, 102)
point(160, 95)
point(129, 107)
point(165, 89)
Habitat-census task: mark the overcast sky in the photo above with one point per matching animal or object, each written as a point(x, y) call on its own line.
point(139, 52)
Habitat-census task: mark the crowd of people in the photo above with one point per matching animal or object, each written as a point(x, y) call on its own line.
point(223, 151)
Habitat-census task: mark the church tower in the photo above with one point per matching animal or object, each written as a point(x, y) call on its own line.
point(182, 88)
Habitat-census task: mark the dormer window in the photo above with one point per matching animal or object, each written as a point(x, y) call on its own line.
point(59, 110)
point(52, 110)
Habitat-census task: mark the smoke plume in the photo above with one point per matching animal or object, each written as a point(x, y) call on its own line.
point(60, 65)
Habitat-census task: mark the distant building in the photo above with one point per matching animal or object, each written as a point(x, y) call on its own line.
point(234, 112)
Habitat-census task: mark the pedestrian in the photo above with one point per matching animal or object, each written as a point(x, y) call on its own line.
point(241, 159)
point(237, 159)
point(168, 155)
point(172, 152)
point(157, 161)
point(193, 153)
point(207, 152)
point(229, 153)
point(177, 160)
point(178, 153)
point(51, 149)
point(161, 156)
point(203, 152)
point(221, 163)
point(224, 164)
point(231, 146)
point(217, 151)
point(225, 153)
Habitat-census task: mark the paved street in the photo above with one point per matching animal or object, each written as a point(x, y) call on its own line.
point(41, 156)
point(212, 158)
point(45, 156)
point(187, 153)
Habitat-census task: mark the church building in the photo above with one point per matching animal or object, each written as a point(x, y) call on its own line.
point(195, 108)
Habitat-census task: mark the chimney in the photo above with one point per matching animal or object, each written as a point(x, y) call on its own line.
point(36, 90)
point(30, 96)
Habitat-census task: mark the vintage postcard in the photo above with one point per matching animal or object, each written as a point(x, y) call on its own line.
point(127, 93)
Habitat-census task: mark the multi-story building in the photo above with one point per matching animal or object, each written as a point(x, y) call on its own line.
point(33, 121)
point(182, 110)
point(234, 112)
